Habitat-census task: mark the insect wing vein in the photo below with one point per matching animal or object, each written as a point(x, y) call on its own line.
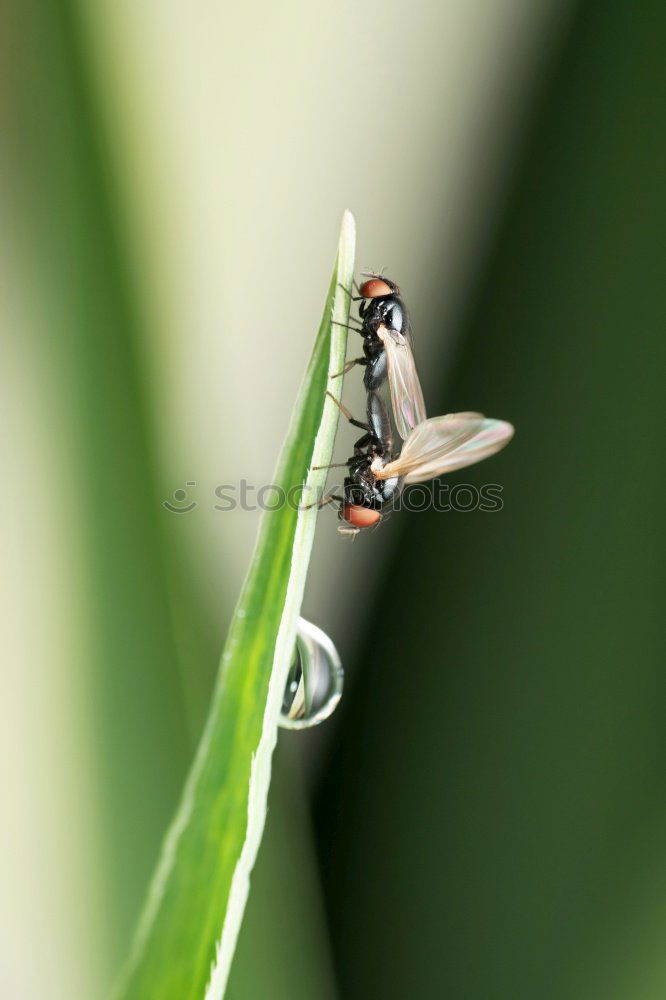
point(406, 394)
point(443, 444)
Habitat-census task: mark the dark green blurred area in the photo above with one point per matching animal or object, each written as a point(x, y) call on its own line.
point(492, 821)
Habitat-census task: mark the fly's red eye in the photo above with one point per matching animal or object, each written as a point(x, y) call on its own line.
point(360, 517)
point(374, 288)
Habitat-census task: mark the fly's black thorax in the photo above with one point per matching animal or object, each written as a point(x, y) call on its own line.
point(388, 311)
point(361, 487)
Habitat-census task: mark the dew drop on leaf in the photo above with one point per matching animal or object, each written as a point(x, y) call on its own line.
point(314, 683)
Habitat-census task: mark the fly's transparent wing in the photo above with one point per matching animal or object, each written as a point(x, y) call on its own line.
point(492, 437)
point(431, 441)
point(443, 444)
point(406, 394)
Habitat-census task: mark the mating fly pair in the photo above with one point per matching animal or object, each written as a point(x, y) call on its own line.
point(376, 472)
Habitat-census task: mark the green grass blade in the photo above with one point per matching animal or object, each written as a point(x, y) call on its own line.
point(187, 934)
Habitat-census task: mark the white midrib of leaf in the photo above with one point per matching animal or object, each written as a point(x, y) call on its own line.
point(260, 773)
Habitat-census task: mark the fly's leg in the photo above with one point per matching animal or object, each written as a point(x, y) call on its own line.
point(348, 326)
point(329, 499)
point(360, 449)
point(348, 367)
point(354, 298)
point(362, 444)
point(345, 413)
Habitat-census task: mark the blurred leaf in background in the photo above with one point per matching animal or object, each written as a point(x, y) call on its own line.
point(492, 820)
point(82, 349)
point(135, 654)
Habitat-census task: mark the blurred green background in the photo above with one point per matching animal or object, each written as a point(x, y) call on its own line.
point(485, 815)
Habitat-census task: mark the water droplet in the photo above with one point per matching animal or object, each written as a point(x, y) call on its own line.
point(314, 684)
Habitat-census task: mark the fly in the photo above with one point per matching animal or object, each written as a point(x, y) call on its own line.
point(387, 351)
